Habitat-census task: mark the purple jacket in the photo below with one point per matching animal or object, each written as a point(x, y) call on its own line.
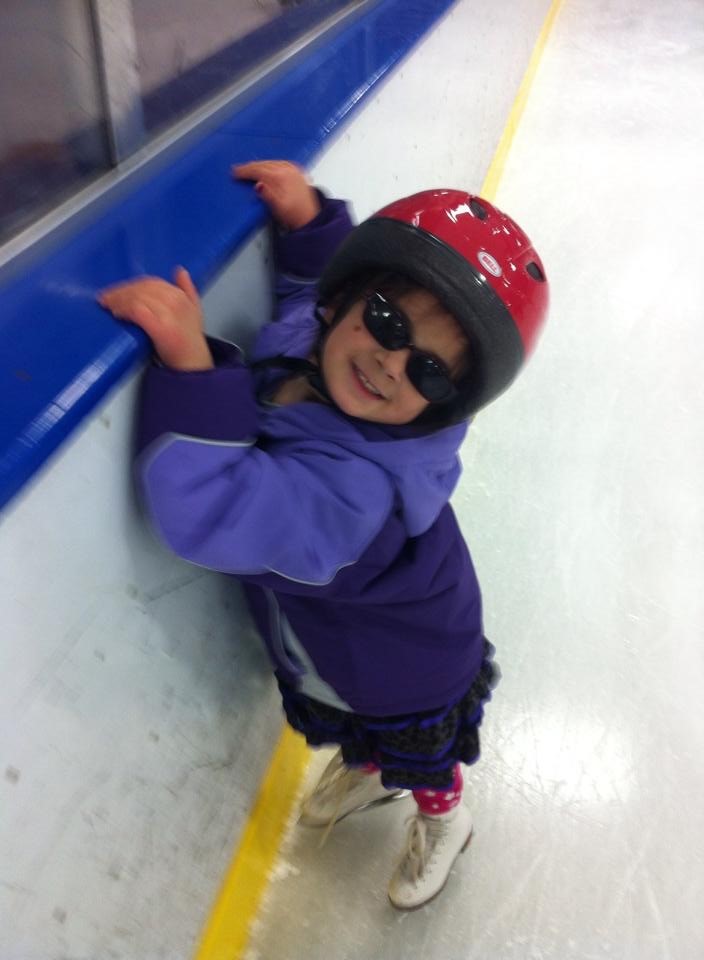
point(354, 566)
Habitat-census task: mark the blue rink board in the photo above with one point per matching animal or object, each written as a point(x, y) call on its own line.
point(61, 353)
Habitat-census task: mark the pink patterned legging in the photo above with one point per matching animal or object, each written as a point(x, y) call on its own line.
point(434, 802)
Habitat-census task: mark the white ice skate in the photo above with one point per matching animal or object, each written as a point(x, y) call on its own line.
point(432, 846)
point(342, 790)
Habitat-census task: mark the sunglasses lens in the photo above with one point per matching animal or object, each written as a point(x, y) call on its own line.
point(389, 328)
point(386, 325)
point(429, 378)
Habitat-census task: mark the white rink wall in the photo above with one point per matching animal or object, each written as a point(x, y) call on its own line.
point(138, 714)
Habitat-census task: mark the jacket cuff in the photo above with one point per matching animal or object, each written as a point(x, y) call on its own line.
point(305, 252)
point(217, 404)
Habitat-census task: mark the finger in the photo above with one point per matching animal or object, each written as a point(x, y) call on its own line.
point(183, 281)
point(135, 311)
point(252, 170)
point(241, 171)
point(257, 169)
point(151, 290)
point(108, 294)
point(143, 316)
point(267, 192)
point(110, 299)
point(130, 287)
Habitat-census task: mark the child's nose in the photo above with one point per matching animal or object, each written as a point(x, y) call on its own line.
point(393, 363)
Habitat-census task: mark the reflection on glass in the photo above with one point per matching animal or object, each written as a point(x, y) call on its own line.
point(53, 127)
point(52, 136)
point(187, 52)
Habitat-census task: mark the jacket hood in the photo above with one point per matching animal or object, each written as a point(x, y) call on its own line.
point(423, 470)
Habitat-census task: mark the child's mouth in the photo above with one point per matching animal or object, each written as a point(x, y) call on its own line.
point(366, 384)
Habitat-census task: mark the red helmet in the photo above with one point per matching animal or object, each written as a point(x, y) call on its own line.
point(475, 260)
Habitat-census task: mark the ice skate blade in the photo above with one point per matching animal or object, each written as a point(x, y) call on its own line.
point(367, 805)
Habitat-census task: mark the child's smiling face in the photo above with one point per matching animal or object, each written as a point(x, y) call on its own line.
point(369, 382)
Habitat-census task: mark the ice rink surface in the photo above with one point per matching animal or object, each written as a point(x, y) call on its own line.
point(583, 506)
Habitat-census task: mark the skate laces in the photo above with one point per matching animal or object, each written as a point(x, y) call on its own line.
point(336, 782)
point(423, 836)
point(335, 770)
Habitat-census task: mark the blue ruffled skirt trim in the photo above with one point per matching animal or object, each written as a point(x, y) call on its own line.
point(414, 751)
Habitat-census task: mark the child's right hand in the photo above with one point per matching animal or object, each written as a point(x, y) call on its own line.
point(284, 188)
point(169, 313)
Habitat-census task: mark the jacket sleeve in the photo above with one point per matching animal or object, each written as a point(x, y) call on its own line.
point(217, 404)
point(300, 258)
point(220, 499)
point(302, 255)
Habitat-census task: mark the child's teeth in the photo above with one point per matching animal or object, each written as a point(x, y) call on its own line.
point(368, 385)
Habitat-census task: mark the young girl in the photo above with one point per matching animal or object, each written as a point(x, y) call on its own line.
point(319, 475)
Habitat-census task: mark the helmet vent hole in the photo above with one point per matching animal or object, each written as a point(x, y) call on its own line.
point(536, 273)
point(478, 209)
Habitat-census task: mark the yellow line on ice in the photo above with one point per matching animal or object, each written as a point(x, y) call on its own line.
point(227, 931)
point(496, 168)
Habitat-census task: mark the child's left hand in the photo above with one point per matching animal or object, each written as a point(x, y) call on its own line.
point(169, 313)
point(284, 188)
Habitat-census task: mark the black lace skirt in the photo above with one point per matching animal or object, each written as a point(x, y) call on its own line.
point(414, 751)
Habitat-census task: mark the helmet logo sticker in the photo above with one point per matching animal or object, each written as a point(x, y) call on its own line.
point(489, 264)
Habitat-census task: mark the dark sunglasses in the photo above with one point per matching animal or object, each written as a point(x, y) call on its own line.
point(390, 329)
